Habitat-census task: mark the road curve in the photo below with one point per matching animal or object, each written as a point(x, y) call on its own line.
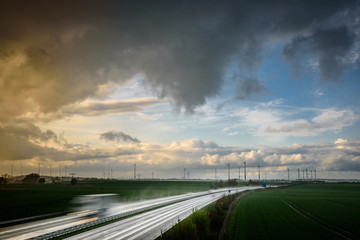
point(41, 227)
point(158, 220)
point(150, 225)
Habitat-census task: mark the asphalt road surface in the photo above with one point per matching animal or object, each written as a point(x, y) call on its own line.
point(152, 224)
point(148, 225)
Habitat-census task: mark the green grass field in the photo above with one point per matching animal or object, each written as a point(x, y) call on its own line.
point(309, 211)
point(18, 201)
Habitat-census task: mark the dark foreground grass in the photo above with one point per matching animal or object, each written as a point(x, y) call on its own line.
point(195, 227)
point(18, 201)
point(203, 224)
point(323, 211)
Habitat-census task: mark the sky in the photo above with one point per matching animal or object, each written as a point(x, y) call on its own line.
point(94, 87)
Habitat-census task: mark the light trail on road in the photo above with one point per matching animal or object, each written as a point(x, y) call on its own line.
point(157, 220)
point(41, 227)
point(150, 225)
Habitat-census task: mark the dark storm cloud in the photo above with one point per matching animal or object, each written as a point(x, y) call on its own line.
point(59, 53)
point(330, 46)
point(106, 107)
point(118, 136)
point(27, 131)
point(22, 140)
point(345, 165)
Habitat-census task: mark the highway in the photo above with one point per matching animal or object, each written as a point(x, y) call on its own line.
point(37, 228)
point(150, 225)
point(143, 226)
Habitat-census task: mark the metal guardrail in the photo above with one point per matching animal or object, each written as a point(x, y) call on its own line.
point(104, 220)
point(26, 219)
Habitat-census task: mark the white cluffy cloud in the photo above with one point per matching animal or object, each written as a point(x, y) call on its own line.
point(283, 120)
point(32, 145)
point(326, 120)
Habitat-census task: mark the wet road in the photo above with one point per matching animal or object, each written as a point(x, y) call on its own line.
point(150, 225)
point(145, 225)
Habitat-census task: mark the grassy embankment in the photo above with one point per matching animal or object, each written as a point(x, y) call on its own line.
point(309, 211)
point(18, 201)
point(203, 224)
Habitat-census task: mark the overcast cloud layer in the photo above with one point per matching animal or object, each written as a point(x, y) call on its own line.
point(54, 57)
point(58, 54)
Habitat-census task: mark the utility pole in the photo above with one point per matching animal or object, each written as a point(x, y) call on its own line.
point(303, 174)
point(184, 172)
point(288, 174)
point(72, 175)
point(315, 173)
point(306, 174)
point(311, 174)
point(134, 171)
point(228, 171)
point(60, 171)
point(245, 170)
point(239, 173)
point(259, 171)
